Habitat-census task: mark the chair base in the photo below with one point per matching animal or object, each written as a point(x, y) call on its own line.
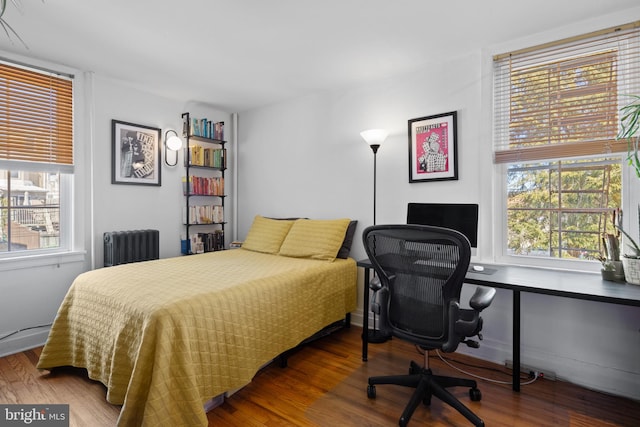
point(427, 384)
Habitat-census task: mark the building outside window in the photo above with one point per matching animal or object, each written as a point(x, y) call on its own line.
point(555, 126)
point(36, 160)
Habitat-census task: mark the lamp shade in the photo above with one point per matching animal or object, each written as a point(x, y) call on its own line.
point(173, 142)
point(374, 136)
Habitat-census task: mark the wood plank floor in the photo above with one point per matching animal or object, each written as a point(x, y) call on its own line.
point(325, 385)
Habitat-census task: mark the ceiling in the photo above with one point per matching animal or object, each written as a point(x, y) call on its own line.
point(242, 54)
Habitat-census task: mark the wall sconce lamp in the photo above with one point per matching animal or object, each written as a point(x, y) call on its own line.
point(172, 143)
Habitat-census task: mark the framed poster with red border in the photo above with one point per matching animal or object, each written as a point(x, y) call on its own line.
point(433, 152)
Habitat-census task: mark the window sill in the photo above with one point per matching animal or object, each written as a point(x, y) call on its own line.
point(550, 263)
point(41, 260)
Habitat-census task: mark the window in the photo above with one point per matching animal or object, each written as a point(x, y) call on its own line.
point(560, 209)
point(556, 120)
point(36, 159)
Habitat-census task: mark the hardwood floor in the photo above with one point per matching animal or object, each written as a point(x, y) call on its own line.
point(325, 385)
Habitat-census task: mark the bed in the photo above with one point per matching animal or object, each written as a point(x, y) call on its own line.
point(165, 336)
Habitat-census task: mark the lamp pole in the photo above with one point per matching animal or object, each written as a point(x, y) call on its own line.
point(374, 148)
point(375, 137)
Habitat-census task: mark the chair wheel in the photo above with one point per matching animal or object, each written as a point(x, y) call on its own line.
point(414, 368)
point(475, 394)
point(371, 391)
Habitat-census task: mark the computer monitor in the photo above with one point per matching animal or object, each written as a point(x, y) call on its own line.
point(462, 217)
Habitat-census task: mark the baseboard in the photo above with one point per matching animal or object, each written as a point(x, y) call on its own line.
point(23, 341)
point(356, 317)
point(604, 379)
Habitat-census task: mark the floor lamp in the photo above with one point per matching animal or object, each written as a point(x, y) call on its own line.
point(375, 138)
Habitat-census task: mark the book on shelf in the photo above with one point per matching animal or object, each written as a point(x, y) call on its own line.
point(218, 131)
point(206, 158)
point(222, 158)
point(212, 241)
point(197, 155)
point(195, 244)
point(214, 157)
point(198, 243)
point(203, 214)
point(185, 127)
point(202, 186)
point(195, 127)
point(203, 128)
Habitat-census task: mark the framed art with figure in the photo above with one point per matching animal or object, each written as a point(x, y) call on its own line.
point(135, 154)
point(433, 152)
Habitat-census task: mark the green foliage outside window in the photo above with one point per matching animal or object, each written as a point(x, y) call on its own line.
point(561, 209)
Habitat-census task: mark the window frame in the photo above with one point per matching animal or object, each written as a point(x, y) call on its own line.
point(502, 256)
point(73, 185)
point(499, 249)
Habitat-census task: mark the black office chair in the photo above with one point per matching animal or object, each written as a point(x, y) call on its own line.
point(423, 269)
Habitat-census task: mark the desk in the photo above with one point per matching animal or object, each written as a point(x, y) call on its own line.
point(560, 283)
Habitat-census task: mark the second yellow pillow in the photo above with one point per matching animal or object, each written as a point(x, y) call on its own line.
point(315, 238)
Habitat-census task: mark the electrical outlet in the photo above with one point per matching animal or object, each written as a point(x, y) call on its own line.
point(544, 373)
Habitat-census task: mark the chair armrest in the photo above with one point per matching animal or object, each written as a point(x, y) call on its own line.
point(482, 298)
point(375, 284)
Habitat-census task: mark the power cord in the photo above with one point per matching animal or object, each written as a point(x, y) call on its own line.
point(536, 375)
point(24, 329)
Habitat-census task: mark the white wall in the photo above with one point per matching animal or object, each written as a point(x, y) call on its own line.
point(305, 157)
point(130, 207)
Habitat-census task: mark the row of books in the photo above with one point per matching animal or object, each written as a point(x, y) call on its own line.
point(197, 155)
point(203, 214)
point(204, 128)
point(203, 242)
point(203, 186)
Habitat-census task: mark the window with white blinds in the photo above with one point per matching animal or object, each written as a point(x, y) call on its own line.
point(36, 116)
point(36, 161)
point(562, 99)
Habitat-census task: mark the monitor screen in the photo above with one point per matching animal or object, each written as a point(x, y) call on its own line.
point(462, 217)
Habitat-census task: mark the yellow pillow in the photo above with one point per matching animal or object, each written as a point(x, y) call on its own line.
point(266, 235)
point(315, 238)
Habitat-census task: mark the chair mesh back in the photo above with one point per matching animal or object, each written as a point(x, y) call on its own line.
point(423, 268)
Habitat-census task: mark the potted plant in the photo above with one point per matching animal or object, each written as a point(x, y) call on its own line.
point(630, 130)
point(612, 268)
point(608, 269)
point(630, 259)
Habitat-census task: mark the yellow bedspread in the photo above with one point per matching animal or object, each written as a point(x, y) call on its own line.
point(165, 336)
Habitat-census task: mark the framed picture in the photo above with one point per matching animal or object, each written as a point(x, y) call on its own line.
point(135, 154)
point(433, 154)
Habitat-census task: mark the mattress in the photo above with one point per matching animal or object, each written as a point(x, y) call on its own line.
point(165, 336)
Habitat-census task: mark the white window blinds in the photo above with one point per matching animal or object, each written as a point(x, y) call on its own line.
point(36, 116)
point(562, 99)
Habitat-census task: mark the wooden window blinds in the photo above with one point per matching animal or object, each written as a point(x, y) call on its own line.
point(562, 99)
point(36, 116)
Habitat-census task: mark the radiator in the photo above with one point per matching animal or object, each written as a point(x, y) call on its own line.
point(123, 247)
